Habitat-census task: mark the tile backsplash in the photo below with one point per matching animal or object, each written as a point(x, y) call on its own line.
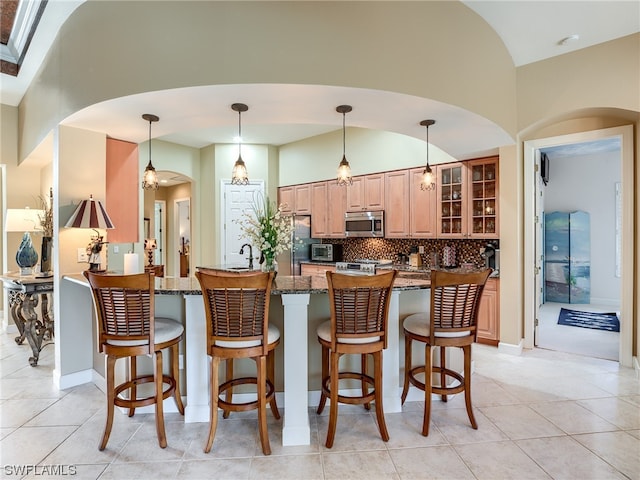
point(466, 251)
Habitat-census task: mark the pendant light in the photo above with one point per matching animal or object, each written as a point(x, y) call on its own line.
point(239, 176)
point(428, 181)
point(344, 170)
point(150, 178)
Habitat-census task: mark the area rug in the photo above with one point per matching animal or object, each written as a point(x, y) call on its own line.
point(596, 321)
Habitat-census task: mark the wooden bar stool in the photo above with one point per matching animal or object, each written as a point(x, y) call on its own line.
point(237, 313)
point(358, 325)
point(127, 328)
point(451, 323)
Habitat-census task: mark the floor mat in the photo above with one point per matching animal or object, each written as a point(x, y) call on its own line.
point(596, 321)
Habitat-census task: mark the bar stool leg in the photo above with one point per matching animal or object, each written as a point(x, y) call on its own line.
point(213, 402)
point(111, 366)
point(162, 437)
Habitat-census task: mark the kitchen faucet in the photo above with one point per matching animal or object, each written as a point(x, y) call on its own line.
point(250, 254)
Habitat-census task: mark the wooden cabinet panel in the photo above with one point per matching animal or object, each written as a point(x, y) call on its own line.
point(319, 210)
point(295, 199)
point(286, 198)
point(489, 313)
point(366, 193)
point(122, 191)
point(397, 214)
point(315, 270)
point(452, 200)
point(423, 207)
point(302, 199)
point(483, 195)
point(336, 206)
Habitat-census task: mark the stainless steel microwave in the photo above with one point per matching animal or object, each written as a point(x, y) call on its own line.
point(364, 224)
point(326, 252)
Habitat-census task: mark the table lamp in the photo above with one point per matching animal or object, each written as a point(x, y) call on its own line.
point(91, 214)
point(24, 220)
point(150, 244)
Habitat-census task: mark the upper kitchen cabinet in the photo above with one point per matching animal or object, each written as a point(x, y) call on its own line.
point(468, 198)
point(409, 211)
point(319, 213)
point(397, 217)
point(295, 199)
point(286, 199)
point(337, 204)
point(328, 201)
point(452, 199)
point(483, 195)
point(422, 206)
point(366, 193)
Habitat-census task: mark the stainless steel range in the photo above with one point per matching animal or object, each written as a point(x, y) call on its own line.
point(356, 268)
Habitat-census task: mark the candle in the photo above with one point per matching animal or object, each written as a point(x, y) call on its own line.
point(131, 264)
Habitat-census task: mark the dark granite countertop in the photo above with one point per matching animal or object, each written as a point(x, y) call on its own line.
point(283, 284)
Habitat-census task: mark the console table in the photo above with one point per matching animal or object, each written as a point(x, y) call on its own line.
point(25, 294)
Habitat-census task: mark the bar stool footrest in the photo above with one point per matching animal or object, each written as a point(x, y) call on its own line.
point(142, 402)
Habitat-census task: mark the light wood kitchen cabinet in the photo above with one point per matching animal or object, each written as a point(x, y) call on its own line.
point(422, 206)
point(295, 199)
point(483, 194)
point(397, 214)
point(315, 270)
point(286, 198)
point(452, 200)
point(366, 193)
point(410, 211)
point(319, 211)
point(468, 199)
point(328, 201)
point(489, 313)
point(336, 205)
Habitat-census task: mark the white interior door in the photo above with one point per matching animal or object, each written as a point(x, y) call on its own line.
point(236, 200)
point(539, 243)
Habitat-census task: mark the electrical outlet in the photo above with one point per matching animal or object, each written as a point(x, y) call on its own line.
point(82, 255)
point(421, 249)
point(116, 249)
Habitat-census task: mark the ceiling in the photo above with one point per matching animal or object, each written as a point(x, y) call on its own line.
point(200, 116)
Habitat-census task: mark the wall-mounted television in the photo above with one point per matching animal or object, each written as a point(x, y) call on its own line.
point(544, 168)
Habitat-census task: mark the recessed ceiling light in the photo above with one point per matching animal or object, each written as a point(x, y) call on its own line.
point(569, 39)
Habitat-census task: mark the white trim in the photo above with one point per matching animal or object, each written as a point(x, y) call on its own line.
point(62, 382)
point(510, 348)
point(625, 133)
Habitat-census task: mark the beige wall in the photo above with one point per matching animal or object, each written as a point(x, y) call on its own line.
point(367, 46)
point(368, 151)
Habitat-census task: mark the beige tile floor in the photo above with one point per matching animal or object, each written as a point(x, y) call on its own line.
point(541, 415)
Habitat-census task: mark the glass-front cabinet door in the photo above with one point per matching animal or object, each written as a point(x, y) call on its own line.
point(452, 200)
point(483, 193)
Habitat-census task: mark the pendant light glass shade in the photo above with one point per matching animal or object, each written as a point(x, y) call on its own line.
point(428, 181)
point(344, 170)
point(239, 175)
point(150, 177)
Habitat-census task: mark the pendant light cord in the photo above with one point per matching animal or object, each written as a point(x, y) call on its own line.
point(343, 134)
point(239, 133)
point(150, 122)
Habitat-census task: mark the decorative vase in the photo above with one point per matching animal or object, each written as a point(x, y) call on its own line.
point(45, 255)
point(269, 264)
point(27, 256)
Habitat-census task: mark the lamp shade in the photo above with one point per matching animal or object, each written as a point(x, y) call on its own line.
point(23, 220)
point(90, 214)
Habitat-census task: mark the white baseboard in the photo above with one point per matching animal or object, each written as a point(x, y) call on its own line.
point(510, 348)
point(73, 379)
point(636, 366)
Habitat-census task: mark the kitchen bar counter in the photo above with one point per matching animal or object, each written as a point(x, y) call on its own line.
point(74, 352)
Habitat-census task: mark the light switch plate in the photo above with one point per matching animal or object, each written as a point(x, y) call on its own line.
point(82, 255)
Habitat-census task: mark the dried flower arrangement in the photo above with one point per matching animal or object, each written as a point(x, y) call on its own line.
point(46, 219)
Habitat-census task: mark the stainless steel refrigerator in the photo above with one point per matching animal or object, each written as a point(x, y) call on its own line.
point(289, 261)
